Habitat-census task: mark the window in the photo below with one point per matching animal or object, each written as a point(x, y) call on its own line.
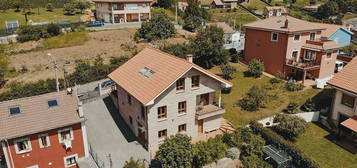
point(70, 160)
point(129, 99)
point(143, 112)
point(328, 55)
point(182, 128)
point(162, 134)
point(65, 135)
point(297, 37)
point(294, 54)
point(22, 145)
point(52, 103)
point(161, 112)
point(312, 36)
point(146, 72)
point(274, 36)
point(180, 84)
point(182, 107)
point(35, 166)
point(195, 81)
point(348, 100)
point(14, 110)
point(309, 56)
point(44, 140)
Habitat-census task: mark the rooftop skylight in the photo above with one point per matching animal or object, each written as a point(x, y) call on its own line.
point(146, 72)
point(14, 110)
point(52, 103)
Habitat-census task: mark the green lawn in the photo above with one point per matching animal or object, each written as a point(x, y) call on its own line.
point(255, 4)
point(241, 17)
point(66, 40)
point(242, 84)
point(56, 15)
point(325, 152)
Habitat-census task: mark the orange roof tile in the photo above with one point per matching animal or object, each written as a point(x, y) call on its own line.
point(325, 45)
point(351, 123)
point(330, 29)
point(167, 69)
point(346, 79)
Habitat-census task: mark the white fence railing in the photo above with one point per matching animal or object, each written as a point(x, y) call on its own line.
point(307, 116)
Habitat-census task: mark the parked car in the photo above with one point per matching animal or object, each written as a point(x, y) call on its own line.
point(95, 24)
point(106, 84)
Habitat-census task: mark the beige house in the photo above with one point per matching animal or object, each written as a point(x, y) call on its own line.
point(270, 11)
point(225, 4)
point(122, 11)
point(160, 95)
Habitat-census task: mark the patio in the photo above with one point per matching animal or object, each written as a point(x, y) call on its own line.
point(226, 127)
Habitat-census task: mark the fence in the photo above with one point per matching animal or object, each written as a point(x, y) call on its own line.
point(307, 116)
point(99, 162)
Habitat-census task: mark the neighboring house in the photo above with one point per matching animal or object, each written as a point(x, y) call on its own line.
point(337, 33)
point(122, 11)
point(225, 4)
point(291, 46)
point(42, 131)
point(312, 8)
point(270, 11)
point(160, 95)
point(182, 5)
point(232, 38)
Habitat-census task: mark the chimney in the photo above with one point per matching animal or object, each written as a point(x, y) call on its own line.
point(286, 24)
point(189, 58)
point(69, 91)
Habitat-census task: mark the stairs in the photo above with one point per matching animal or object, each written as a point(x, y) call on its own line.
point(227, 127)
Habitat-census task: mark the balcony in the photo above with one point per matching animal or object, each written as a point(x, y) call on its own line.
point(304, 65)
point(209, 110)
point(132, 9)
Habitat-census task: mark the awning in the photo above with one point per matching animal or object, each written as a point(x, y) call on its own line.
point(351, 123)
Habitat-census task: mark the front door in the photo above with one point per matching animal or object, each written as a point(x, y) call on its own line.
point(204, 99)
point(200, 126)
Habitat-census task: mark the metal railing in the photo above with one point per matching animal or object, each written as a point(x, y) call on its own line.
point(303, 65)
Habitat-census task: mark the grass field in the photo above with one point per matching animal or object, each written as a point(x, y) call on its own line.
point(56, 15)
point(241, 17)
point(242, 84)
point(325, 152)
point(255, 4)
point(66, 40)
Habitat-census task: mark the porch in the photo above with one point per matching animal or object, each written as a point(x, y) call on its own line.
point(302, 70)
point(347, 135)
point(129, 17)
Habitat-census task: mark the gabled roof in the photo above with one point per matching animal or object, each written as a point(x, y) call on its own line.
point(167, 69)
point(218, 2)
point(36, 116)
point(346, 79)
point(331, 29)
point(321, 45)
point(278, 24)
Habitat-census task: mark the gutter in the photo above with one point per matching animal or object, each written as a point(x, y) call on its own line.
point(339, 88)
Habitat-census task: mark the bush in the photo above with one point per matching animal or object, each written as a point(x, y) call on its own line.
point(175, 152)
point(207, 152)
point(309, 106)
point(132, 163)
point(291, 108)
point(69, 8)
point(255, 68)
point(227, 71)
point(54, 29)
point(49, 7)
point(233, 153)
point(180, 50)
point(234, 55)
point(254, 99)
point(290, 127)
point(253, 161)
point(28, 33)
point(274, 81)
point(293, 86)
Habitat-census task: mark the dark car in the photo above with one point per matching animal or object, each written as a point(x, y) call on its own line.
point(95, 24)
point(106, 84)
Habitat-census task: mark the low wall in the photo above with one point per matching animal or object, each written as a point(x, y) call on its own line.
point(8, 39)
point(307, 116)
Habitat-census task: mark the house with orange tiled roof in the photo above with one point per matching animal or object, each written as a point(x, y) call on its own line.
point(344, 102)
point(42, 131)
point(293, 47)
point(160, 95)
point(336, 33)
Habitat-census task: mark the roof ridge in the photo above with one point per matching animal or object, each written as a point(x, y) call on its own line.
point(34, 96)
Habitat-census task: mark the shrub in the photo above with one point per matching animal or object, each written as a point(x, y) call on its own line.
point(132, 163)
point(49, 7)
point(69, 8)
point(227, 71)
point(308, 106)
point(81, 5)
point(175, 152)
point(254, 99)
point(274, 81)
point(300, 159)
point(233, 153)
point(54, 29)
point(253, 161)
point(2, 78)
point(289, 126)
point(28, 33)
point(291, 108)
point(293, 86)
point(252, 143)
point(207, 152)
point(234, 55)
point(255, 68)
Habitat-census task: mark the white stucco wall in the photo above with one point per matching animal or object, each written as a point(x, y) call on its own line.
point(212, 123)
point(339, 108)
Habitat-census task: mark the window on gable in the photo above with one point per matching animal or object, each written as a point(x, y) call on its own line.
point(274, 36)
point(297, 37)
point(22, 145)
point(14, 110)
point(348, 100)
point(328, 55)
point(195, 81)
point(182, 107)
point(180, 84)
point(44, 140)
point(52, 103)
point(162, 112)
point(65, 135)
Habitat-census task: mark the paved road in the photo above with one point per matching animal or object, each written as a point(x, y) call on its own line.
point(108, 134)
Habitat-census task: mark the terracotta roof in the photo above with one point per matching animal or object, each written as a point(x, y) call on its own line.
point(346, 79)
point(277, 24)
point(269, 8)
point(330, 29)
point(326, 45)
point(36, 115)
point(167, 69)
point(226, 28)
point(122, 0)
point(218, 2)
point(351, 123)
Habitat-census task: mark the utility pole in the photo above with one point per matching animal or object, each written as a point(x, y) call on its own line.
point(56, 68)
point(176, 4)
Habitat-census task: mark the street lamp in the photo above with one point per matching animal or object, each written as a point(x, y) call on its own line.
point(55, 62)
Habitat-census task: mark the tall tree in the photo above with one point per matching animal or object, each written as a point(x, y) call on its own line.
point(195, 16)
point(328, 9)
point(165, 3)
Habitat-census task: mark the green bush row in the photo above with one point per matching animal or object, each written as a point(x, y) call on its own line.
point(300, 159)
point(28, 33)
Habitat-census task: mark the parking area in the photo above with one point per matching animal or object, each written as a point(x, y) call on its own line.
point(111, 140)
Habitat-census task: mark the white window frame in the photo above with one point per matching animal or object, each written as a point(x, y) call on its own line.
point(277, 36)
point(24, 151)
point(314, 36)
point(62, 130)
point(311, 56)
point(327, 57)
point(297, 55)
point(70, 156)
point(47, 140)
point(298, 39)
point(34, 166)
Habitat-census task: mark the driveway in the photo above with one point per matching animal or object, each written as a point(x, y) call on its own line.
point(110, 139)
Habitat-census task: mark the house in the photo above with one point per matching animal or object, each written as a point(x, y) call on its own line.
point(293, 47)
point(344, 103)
point(224, 4)
point(270, 11)
point(160, 95)
point(42, 131)
point(336, 33)
point(122, 11)
point(233, 39)
point(312, 8)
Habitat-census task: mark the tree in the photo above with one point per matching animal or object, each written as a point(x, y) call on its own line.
point(49, 7)
point(175, 152)
point(5, 5)
point(54, 29)
point(253, 161)
point(132, 163)
point(328, 9)
point(69, 9)
point(255, 68)
point(207, 152)
point(227, 71)
point(291, 108)
point(181, 49)
point(253, 143)
point(350, 50)
point(158, 28)
point(312, 2)
point(208, 47)
point(165, 3)
point(309, 105)
point(195, 16)
point(344, 5)
point(289, 126)
point(254, 99)
point(2, 78)
point(81, 5)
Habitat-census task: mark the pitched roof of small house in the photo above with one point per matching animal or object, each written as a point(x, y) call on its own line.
point(36, 115)
point(278, 24)
point(331, 29)
point(226, 28)
point(151, 72)
point(218, 2)
point(283, 9)
point(346, 79)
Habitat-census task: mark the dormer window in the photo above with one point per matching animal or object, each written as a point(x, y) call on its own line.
point(14, 110)
point(52, 103)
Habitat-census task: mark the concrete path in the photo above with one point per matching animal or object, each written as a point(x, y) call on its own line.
point(111, 140)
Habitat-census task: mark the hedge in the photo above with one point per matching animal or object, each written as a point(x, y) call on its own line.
point(300, 159)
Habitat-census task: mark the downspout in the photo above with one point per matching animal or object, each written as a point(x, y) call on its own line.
point(8, 148)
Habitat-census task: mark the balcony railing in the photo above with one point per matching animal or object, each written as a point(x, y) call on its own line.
point(208, 111)
point(303, 65)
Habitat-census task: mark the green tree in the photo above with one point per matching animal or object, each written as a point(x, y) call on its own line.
point(165, 3)
point(54, 29)
point(5, 5)
point(49, 7)
point(69, 9)
point(254, 99)
point(253, 161)
point(81, 5)
point(208, 47)
point(194, 16)
point(289, 126)
point(255, 68)
point(207, 152)
point(309, 105)
point(227, 71)
point(253, 143)
point(175, 152)
point(181, 49)
point(158, 28)
point(350, 50)
point(328, 9)
point(132, 163)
